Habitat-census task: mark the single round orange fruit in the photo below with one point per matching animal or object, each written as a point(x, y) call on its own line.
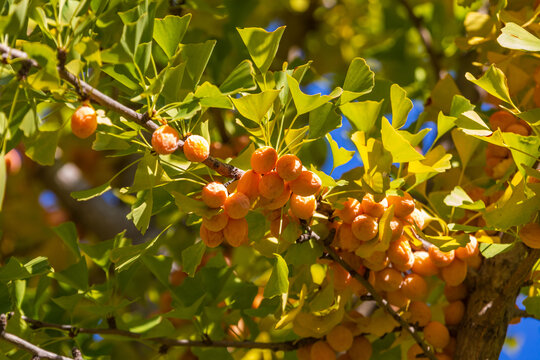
point(455, 273)
point(400, 251)
point(214, 194)
point(365, 227)
point(501, 120)
point(249, 184)
point(441, 258)
point(415, 287)
point(351, 209)
point(340, 338)
point(454, 312)
point(530, 235)
point(403, 205)
point(303, 206)
point(211, 238)
point(271, 185)
point(420, 313)
point(437, 334)
point(237, 205)
point(388, 279)
point(196, 148)
point(216, 222)
point(236, 232)
point(423, 265)
point(372, 208)
point(263, 160)
point(454, 293)
point(308, 183)
point(289, 167)
point(361, 349)
point(84, 121)
point(322, 351)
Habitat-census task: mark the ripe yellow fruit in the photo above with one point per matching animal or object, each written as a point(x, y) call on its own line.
point(414, 352)
point(530, 235)
point(420, 313)
point(351, 209)
point(361, 349)
point(303, 206)
point(271, 185)
point(322, 351)
point(237, 205)
point(289, 167)
point(340, 338)
point(211, 238)
point(403, 205)
point(214, 194)
point(365, 227)
point(423, 265)
point(414, 287)
point(437, 334)
point(263, 160)
point(400, 252)
point(304, 353)
point(216, 222)
point(278, 202)
point(454, 293)
point(388, 279)
point(346, 239)
point(236, 232)
point(440, 258)
point(84, 121)
point(454, 312)
point(249, 184)
point(306, 184)
point(469, 250)
point(455, 273)
point(397, 298)
point(372, 208)
point(196, 148)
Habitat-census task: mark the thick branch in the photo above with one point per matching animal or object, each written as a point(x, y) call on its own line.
point(111, 104)
point(25, 345)
point(425, 36)
point(284, 345)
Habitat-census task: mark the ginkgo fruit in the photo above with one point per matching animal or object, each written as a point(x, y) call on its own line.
point(237, 205)
point(415, 287)
point(214, 194)
point(455, 273)
point(453, 293)
point(423, 265)
point(308, 183)
point(420, 313)
point(388, 279)
point(263, 160)
point(399, 252)
point(271, 185)
point(249, 184)
point(322, 351)
point(289, 167)
point(436, 334)
point(303, 206)
point(403, 205)
point(454, 312)
point(340, 338)
point(211, 238)
point(365, 227)
point(530, 235)
point(361, 349)
point(196, 148)
point(236, 232)
point(441, 258)
point(216, 222)
point(84, 121)
point(372, 208)
point(351, 209)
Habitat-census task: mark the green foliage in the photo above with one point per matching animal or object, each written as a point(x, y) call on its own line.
point(157, 278)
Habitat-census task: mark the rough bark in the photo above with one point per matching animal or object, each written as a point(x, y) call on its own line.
point(491, 302)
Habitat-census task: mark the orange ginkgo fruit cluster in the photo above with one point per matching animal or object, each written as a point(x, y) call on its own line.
point(270, 184)
point(403, 271)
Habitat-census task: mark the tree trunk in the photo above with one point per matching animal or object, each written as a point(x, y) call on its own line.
point(490, 306)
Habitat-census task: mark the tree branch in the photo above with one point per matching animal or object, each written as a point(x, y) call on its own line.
point(25, 345)
point(518, 313)
point(284, 345)
point(86, 89)
point(425, 36)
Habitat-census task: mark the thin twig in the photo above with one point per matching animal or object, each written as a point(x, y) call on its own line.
point(425, 35)
point(283, 345)
point(25, 345)
point(518, 313)
point(86, 89)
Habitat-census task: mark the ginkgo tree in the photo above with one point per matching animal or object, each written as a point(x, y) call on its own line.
point(237, 244)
